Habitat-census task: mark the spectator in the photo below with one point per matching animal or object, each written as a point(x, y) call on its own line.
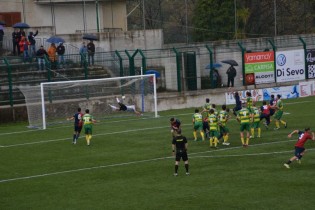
point(16, 36)
point(31, 39)
point(215, 78)
point(231, 73)
point(91, 52)
point(22, 32)
point(52, 55)
point(1, 36)
point(40, 57)
point(61, 52)
point(83, 52)
point(24, 48)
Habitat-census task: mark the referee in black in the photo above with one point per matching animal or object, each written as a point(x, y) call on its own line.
point(179, 145)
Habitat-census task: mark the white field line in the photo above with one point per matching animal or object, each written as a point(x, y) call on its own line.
point(94, 135)
point(243, 155)
point(118, 121)
point(151, 160)
point(101, 134)
point(68, 126)
point(82, 136)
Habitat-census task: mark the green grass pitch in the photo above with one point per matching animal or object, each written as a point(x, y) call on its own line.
point(129, 165)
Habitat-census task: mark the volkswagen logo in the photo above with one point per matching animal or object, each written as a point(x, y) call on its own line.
point(281, 60)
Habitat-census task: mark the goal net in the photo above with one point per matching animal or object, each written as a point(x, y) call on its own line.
point(53, 102)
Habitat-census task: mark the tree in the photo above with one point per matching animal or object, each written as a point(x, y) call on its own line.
point(242, 18)
point(214, 20)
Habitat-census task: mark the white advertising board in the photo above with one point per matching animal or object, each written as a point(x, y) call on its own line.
point(290, 65)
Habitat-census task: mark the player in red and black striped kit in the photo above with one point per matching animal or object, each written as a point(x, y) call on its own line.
point(175, 126)
point(77, 125)
point(299, 145)
point(265, 113)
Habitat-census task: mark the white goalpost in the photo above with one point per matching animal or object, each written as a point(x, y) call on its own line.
point(52, 102)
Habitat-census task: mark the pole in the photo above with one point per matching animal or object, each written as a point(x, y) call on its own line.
point(186, 22)
point(144, 31)
point(275, 13)
point(53, 22)
point(84, 21)
point(24, 16)
point(235, 19)
point(97, 17)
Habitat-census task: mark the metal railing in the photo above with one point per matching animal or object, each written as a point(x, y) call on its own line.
point(181, 68)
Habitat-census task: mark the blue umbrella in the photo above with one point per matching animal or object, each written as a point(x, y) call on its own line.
point(157, 74)
point(55, 39)
point(90, 37)
point(214, 65)
point(21, 25)
point(1, 27)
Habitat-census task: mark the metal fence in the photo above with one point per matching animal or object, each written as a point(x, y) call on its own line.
point(178, 68)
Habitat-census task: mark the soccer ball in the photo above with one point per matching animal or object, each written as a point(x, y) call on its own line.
point(123, 97)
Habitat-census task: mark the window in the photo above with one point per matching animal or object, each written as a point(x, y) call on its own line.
point(10, 18)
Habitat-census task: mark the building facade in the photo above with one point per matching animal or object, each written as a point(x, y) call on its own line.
point(67, 16)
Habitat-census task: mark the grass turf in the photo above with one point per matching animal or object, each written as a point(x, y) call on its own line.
point(129, 166)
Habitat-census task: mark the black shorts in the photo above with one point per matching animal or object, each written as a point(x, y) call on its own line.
point(77, 128)
point(205, 126)
point(181, 154)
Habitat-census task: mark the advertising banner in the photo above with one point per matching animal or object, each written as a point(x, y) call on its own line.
point(310, 61)
point(257, 95)
point(285, 92)
point(307, 88)
point(290, 65)
point(259, 67)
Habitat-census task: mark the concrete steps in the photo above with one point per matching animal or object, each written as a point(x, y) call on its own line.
point(27, 74)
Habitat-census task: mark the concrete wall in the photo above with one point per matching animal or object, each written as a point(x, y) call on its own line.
point(166, 101)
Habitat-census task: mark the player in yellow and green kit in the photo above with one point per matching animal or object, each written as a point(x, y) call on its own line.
point(279, 113)
point(207, 106)
point(213, 128)
point(255, 122)
point(223, 118)
point(249, 100)
point(206, 109)
point(88, 122)
point(243, 116)
point(214, 110)
point(198, 125)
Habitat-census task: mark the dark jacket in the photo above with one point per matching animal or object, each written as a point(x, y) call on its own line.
point(16, 36)
point(231, 72)
point(60, 49)
point(41, 53)
point(31, 37)
point(91, 48)
point(1, 35)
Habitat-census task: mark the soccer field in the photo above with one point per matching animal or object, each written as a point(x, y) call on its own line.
point(129, 165)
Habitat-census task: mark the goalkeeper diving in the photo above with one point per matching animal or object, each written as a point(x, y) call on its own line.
point(122, 107)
